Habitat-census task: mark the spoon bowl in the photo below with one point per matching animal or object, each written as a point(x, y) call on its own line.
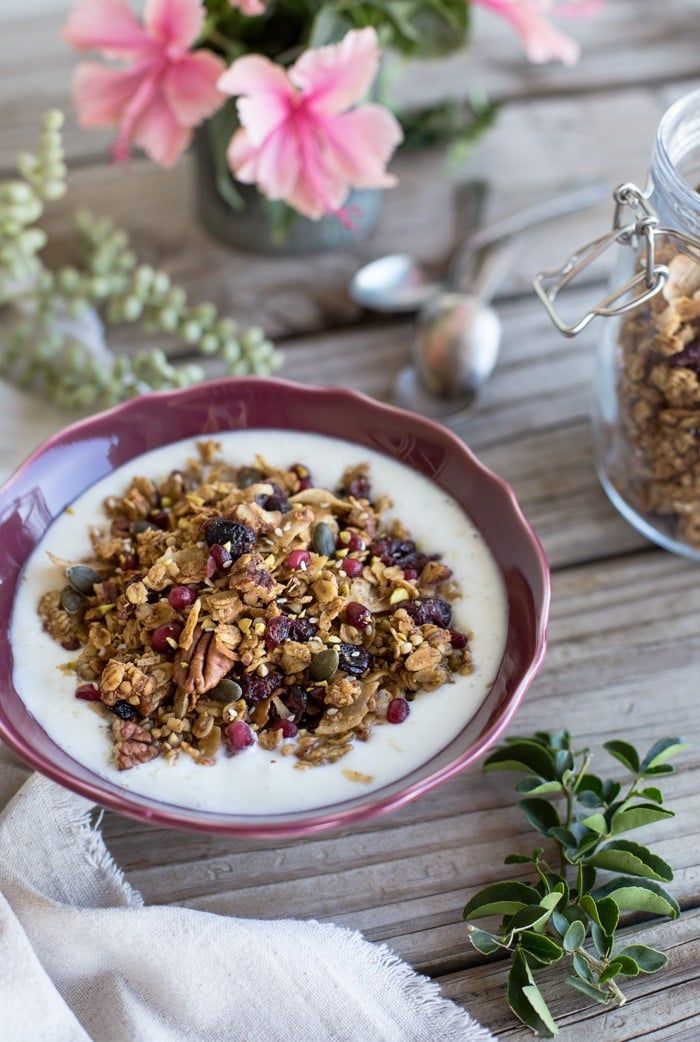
point(456, 346)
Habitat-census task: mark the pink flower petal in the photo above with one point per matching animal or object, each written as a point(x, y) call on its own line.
point(266, 97)
point(159, 135)
point(189, 86)
point(249, 7)
point(174, 23)
point(339, 75)
point(541, 40)
point(101, 95)
point(359, 145)
point(273, 167)
point(109, 26)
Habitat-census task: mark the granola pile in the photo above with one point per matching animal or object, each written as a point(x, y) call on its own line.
point(227, 605)
point(656, 457)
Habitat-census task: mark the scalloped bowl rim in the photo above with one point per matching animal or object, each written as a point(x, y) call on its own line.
point(228, 401)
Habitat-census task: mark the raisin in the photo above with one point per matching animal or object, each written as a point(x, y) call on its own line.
point(429, 610)
point(234, 535)
point(353, 659)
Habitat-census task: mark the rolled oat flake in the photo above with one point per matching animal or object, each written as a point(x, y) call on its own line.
point(646, 409)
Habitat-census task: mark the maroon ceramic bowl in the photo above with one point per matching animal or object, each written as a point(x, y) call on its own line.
point(71, 461)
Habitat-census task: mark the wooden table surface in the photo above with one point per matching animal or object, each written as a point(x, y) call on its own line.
point(624, 647)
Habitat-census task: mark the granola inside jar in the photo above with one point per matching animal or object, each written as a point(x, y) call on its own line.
point(647, 419)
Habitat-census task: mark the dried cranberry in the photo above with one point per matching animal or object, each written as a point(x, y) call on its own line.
point(353, 658)
point(688, 358)
point(275, 500)
point(70, 644)
point(358, 615)
point(160, 518)
point(301, 629)
point(429, 610)
point(350, 541)
point(276, 631)
point(88, 693)
point(234, 535)
point(256, 688)
point(239, 735)
point(182, 597)
point(165, 637)
point(128, 562)
point(359, 487)
point(397, 710)
point(351, 567)
point(458, 640)
point(294, 698)
point(124, 710)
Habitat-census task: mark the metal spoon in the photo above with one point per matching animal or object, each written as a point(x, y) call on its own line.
point(397, 283)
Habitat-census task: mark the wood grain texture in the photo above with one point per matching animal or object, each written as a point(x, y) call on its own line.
point(624, 641)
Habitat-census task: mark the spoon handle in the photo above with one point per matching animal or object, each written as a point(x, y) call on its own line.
point(505, 227)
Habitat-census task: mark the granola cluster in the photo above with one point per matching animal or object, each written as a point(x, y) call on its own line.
point(227, 605)
point(656, 457)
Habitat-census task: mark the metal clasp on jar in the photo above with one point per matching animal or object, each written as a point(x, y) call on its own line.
point(641, 231)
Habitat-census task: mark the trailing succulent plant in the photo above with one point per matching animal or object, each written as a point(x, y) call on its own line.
point(53, 319)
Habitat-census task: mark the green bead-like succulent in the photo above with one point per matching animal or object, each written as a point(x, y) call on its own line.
point(44, 348)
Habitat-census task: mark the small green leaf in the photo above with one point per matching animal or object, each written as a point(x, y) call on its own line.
point(590, 990)
point(582, 968)
point(616, 966)
point(625, 753)
point(536, 1000)
point(574, 936)
point(597, 823)
point(501, 899)
point(649, 960)
point(640, 895)
point(650, 792)
point(603, 942)
point(631, 859)
point(522, 755)
point(636, 816)
point(520, 1000)
point(531, 916)
point(662, 751)
point(608, 914)
point(541, 947)
point(520, 859)
point(484, 942)
point(541, 814)
point(563, 761)
point(533, 785)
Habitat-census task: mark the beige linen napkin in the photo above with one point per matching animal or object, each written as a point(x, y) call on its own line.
point(82, 958)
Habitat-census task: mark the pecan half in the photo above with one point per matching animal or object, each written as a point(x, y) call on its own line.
point(203, 665)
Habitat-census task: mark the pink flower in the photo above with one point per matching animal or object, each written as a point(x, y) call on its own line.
point(542, 41)
point(164, 91)
point(301, 139)
point(249, 7)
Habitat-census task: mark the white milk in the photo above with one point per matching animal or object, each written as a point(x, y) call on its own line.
point(256, 781)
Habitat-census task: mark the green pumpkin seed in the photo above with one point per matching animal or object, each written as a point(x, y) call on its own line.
point(249, 476)
point(82, 578)
point(71, 600)
point(226, 691)
point(324, 665)
point(323, 539)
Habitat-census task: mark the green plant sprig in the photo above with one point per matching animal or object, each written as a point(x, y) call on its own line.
point(41, 348)
point(567, 906)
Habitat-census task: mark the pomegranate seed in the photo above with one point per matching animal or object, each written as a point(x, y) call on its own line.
point(239, 735)
point(182, 597)
point(160, 518)
point(358, 615)
point(218, 561)
point(299, 559)
point(164, 639)
point(397, 710)
point(410, 574)
point(88, 693)
point(288, 728)
point(128, 562)
point(352, 567)
point(350, 541)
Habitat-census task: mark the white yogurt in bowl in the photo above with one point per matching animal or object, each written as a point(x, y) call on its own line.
point(258, 782)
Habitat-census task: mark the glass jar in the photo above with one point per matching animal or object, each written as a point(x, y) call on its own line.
point(646, 416)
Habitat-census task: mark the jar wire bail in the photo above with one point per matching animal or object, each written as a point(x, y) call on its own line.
point(640, 229)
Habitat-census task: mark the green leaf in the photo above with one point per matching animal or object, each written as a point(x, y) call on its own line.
point(650, 792)
point(608, 914)
point(603, 942)
point(522, 755)
point(662, 751)
point(597, 823)
point(636, 816)
point(537, 786)
point(541, 947)
point(563, 761)
point(582, 968)
point(484, 942)
point(649, 960)
point(532, 915)
point(631, 859)
point(625, 753)
point(574, 936)
point(541, 814)
point(524, 1003)
point(619, 964)
point(590, 990)
point(505, 898)
point(640, 895)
